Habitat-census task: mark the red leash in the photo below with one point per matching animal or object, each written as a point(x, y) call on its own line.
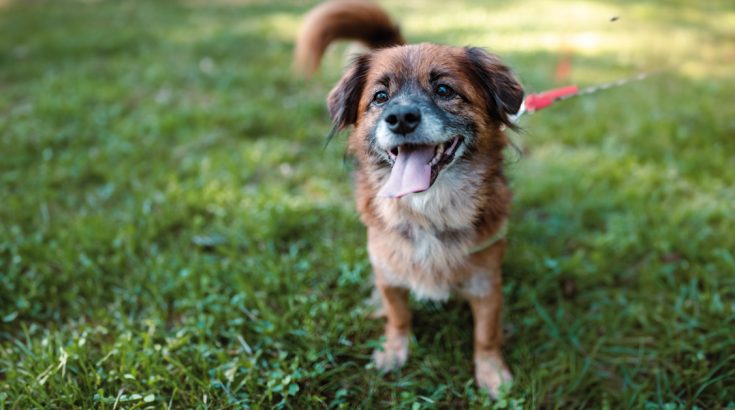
point(539, 101)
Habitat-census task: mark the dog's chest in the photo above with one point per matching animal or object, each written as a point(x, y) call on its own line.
point(437, 252)
point(432, 265)
point(425, 243)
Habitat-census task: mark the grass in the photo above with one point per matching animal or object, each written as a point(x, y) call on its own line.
point(174, 235)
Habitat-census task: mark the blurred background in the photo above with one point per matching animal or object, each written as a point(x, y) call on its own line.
point(175, 235)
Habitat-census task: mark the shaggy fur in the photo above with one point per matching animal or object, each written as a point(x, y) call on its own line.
point(421, 242)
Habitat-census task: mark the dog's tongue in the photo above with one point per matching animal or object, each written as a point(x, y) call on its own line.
point(411, 172)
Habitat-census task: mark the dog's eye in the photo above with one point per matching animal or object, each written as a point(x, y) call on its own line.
point(380, 98)
point(444, 91)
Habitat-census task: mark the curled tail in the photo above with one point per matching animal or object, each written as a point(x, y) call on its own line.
point(343, 19)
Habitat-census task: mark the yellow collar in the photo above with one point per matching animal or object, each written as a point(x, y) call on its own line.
point(499, 234)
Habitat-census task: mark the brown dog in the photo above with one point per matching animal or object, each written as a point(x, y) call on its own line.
point(428, 138)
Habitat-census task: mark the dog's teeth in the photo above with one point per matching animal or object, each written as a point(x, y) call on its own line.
point(392, 153)
point(437, 155)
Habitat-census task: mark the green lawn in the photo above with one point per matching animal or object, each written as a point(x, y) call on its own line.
point(174, 235)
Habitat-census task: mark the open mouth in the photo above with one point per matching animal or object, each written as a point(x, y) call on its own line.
point(416, 167)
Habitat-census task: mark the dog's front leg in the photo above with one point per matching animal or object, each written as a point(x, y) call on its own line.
point(490, 369)
point(397, 327)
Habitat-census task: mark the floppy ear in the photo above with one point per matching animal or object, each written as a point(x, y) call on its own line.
point(503, 92)
point(344, 99)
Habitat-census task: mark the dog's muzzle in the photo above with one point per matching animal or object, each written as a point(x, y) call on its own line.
point(416, 140)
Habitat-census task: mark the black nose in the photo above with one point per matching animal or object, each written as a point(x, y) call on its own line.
point(403, 119)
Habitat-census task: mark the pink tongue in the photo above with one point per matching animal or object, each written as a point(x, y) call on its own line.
point(411, 172)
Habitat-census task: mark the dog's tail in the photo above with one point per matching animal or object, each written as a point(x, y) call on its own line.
point(343, 19)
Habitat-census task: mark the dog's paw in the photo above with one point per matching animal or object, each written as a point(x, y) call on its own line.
point(491, 373)
point(393, 355)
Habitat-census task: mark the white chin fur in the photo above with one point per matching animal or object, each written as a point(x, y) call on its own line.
point(455, 181)
point(436, 202)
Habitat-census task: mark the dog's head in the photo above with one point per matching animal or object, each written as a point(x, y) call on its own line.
point(419, 110)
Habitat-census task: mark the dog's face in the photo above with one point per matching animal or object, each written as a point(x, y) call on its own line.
point(419, 110)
